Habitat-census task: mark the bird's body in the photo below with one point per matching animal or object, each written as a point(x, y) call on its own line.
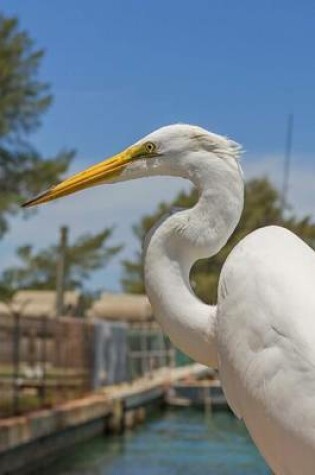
point(261, 335)
point(265, 331)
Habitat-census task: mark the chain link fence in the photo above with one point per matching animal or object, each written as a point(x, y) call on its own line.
point(45, 361)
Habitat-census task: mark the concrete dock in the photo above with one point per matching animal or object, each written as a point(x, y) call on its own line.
point(29, 441)
point(206, 393)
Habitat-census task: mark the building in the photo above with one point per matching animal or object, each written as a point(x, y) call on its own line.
point(42, 303)
point(131, 308)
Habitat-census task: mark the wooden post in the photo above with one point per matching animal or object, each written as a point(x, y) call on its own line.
point(116, 420)
point(16, 364)
point(61, 264)
point(42, 392)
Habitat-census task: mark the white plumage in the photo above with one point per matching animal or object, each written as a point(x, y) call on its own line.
point(261, 335)
point(266, 342)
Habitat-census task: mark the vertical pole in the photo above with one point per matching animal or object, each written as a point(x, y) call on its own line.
point(61, 264)
point(162, 349)
point(143, 350)
point(16, 364)
point(149, 349)
point(130, 359)
point(43, 361)
point(287, 162)
point(171, 355)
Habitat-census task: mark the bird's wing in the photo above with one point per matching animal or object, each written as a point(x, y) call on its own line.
point(266, 326)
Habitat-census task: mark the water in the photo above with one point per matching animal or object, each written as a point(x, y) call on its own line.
point(180, 442)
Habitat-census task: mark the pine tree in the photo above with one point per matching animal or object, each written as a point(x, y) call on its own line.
point(38, 269)
point(23, 100)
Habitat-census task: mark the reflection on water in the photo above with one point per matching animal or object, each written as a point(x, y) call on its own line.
point(175, 443)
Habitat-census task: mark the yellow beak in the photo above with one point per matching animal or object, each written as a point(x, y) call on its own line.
point(95, 175)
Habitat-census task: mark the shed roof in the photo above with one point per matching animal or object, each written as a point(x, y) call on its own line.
point(37, 303)
point(122, 306)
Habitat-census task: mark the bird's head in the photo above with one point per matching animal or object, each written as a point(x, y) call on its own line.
point(170, 150)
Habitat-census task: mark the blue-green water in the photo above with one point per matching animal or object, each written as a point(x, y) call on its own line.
point(180, 442)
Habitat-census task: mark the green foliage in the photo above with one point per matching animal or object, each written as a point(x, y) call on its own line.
point(23, 97)
point(38, 269)
point(262, 208)
point(23, 100)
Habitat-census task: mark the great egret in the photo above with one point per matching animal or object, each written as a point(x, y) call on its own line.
point(261, 334)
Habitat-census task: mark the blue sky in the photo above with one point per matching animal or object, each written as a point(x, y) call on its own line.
point(119, 69)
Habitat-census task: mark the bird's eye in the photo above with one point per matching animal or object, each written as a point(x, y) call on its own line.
point(150, 147)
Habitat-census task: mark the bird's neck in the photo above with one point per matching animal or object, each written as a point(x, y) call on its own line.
point(176, 244)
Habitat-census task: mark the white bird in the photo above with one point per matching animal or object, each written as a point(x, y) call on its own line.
point(261, 334)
